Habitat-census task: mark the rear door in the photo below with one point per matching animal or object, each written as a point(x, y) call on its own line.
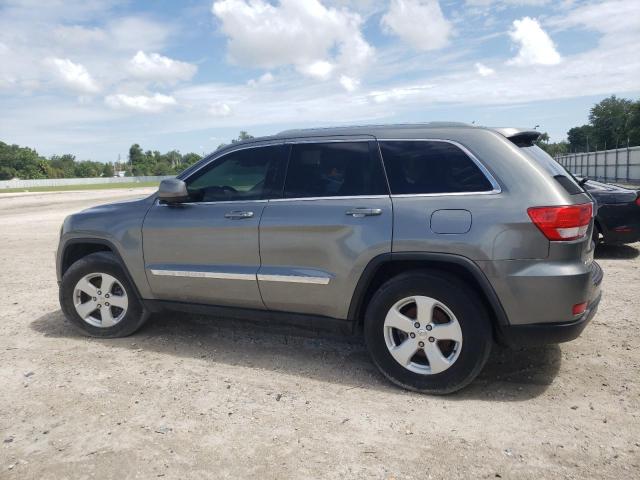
point(334, 217)
point(206, 250)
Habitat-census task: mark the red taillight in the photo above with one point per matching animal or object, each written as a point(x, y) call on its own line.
point(562, 223)
point(579, 308)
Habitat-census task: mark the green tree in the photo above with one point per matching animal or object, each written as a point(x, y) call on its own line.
point(107, 170)
point(610, 121)
point(241, 138)
point(7, 173)
point(581, 138)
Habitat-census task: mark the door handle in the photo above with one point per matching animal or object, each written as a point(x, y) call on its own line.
point(238, 215)
point(364, 212)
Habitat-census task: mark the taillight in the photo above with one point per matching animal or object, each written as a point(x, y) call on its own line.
point(568, 222)
point(638, 200)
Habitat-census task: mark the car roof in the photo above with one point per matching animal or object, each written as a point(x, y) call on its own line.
point(389, 131)
point(520, 136)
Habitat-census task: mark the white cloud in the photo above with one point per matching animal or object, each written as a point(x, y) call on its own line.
point(220, 110)
point(505, 3)
point(262, 80)
point(535, 45)
point(349, 84)
point(420, 23)
point(141, 103)
point(73, 75)
point(320, 69)
point(137, 33)
point(304, 33)
point(399, 93)
point(483, 70)
point(160, 69)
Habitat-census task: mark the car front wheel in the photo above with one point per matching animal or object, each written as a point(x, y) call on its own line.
point(98, 299)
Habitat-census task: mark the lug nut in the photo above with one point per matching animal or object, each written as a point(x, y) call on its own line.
point(94, 299)
point(99, 306)
point(106, 304)
point(431, 339)
point(99, 292)
point(421, 344)
point(412, 335)
point(429, 327)
point(417, 325)
point(106, 295)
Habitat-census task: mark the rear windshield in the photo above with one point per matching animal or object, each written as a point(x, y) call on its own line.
point(557, 171)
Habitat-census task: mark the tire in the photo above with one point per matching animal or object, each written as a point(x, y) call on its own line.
point(118, 312)
point(595, 236)
point(455, 302)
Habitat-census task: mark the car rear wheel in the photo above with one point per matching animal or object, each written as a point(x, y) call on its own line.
point(428, 332)
point(98, 299)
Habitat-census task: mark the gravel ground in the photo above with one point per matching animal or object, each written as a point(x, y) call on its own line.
point(208, 398)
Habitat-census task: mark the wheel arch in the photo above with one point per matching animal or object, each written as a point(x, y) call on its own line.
point(75, 249)
point(386, 266)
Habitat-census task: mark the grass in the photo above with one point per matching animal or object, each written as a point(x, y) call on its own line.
point(67, 188)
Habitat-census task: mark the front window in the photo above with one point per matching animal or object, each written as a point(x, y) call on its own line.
point(241, 175)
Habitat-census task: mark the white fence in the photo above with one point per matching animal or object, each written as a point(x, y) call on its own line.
point(59, 182)
point(617, 165)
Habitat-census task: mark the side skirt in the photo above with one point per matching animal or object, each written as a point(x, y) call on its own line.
point(311, 322)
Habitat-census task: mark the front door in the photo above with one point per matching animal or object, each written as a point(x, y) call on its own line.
point(334, 218)
point(206, 250)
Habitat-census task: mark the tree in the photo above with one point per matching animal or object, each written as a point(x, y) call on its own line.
point(189, 159)
point(241, 138)
point(107, 170)
point(610, 121)
point(7, 173)
point(581, 138)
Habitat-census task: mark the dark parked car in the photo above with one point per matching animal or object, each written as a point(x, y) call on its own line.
point(618, 214)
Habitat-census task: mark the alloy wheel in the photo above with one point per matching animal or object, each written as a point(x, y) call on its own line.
point(100, 300)
point(423, 335)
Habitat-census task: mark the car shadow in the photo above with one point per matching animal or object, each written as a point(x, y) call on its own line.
point(616, 252)
point(509, 375)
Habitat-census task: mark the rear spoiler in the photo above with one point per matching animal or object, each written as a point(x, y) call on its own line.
point(520, 136)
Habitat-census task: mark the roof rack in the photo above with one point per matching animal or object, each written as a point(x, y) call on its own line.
point(398, 125)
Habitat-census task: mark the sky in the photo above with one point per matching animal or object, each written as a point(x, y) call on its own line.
point(92, 77)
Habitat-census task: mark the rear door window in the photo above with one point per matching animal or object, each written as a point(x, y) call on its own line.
point(415, 167)
point(334, 169)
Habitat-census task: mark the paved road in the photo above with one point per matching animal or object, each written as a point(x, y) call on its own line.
point(200, 398)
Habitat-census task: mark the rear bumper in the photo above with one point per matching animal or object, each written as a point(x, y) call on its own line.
point(622, 234)
point(554, 332)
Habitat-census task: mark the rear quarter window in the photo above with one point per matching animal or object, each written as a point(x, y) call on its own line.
point(557, 171)
point(419, 167)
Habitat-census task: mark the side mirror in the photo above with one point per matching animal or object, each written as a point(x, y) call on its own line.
point(173, 191)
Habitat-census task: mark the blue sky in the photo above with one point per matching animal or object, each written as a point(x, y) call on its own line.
point(91, 77)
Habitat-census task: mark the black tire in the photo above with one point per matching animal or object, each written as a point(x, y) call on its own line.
point(101, 262)
point(595, 236)
point(461, 300)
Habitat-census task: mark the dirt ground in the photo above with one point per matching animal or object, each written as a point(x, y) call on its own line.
point(191, 397)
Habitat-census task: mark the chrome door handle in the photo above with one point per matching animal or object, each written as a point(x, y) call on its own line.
point(364, 212)
point(238, 215)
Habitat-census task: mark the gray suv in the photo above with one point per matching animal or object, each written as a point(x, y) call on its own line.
point(432, 240)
